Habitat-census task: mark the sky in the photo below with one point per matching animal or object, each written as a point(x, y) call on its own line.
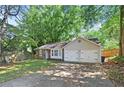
point(12, 21)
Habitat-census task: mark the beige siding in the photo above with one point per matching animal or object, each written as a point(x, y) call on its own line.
point(76, 45)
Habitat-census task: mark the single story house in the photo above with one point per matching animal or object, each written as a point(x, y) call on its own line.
point(78, 50)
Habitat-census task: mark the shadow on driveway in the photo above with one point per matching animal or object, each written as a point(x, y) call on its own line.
point(64, 75)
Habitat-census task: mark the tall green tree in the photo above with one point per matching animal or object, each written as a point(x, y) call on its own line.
point(49, 24)
point(108, 33)
point(111, 18)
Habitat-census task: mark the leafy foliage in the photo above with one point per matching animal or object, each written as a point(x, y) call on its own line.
point(98, 14)
point(108, 34)
point(118, 59)
point(49, 24)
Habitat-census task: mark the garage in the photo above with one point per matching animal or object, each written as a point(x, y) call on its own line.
point(81, 56)
point(77, 50)
point(81, 50)
point(74, 56)
point(88, 56)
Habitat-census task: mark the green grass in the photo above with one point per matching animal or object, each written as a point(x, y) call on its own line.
point(22, 68)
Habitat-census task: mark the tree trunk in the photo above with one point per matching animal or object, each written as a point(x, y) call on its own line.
point(121, 52)
point(3, 29)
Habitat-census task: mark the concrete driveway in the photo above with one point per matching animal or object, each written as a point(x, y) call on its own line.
point(64, 75)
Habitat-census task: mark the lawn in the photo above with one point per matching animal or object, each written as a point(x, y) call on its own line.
point(19, 69)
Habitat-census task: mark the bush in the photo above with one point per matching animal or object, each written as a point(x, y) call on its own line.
point(118, 59)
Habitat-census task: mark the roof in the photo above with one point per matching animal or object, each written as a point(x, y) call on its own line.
point(93, 41)
point(63, 44)
point(53, 45)
point(90, 41)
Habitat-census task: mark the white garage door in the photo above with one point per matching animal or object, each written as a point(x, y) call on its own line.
point(81, 56)
point(89, 56)
point(70, 55)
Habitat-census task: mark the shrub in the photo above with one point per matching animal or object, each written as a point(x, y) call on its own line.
point(118, 59)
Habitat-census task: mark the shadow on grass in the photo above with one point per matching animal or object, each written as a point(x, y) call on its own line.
point(22, 68)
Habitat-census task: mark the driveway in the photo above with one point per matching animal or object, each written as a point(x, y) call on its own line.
point(64, 75)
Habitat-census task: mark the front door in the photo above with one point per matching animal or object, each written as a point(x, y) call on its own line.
point(46, 54)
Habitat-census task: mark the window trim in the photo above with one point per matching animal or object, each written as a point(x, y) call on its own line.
point(58, 51)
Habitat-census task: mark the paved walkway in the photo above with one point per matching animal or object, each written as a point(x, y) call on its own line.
point(64, 75)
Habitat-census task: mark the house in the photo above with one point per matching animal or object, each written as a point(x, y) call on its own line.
point(78, 50)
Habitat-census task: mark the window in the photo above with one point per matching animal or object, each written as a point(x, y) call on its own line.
point(55, 52)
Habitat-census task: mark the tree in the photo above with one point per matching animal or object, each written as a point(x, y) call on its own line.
point(121, 31)
point(110, 22)
point(49, 24)
point(108, 33)
point(6, 11)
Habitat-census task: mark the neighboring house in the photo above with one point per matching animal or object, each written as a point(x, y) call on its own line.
point(78, 50)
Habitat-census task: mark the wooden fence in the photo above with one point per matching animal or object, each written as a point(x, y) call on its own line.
point(110, 53)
